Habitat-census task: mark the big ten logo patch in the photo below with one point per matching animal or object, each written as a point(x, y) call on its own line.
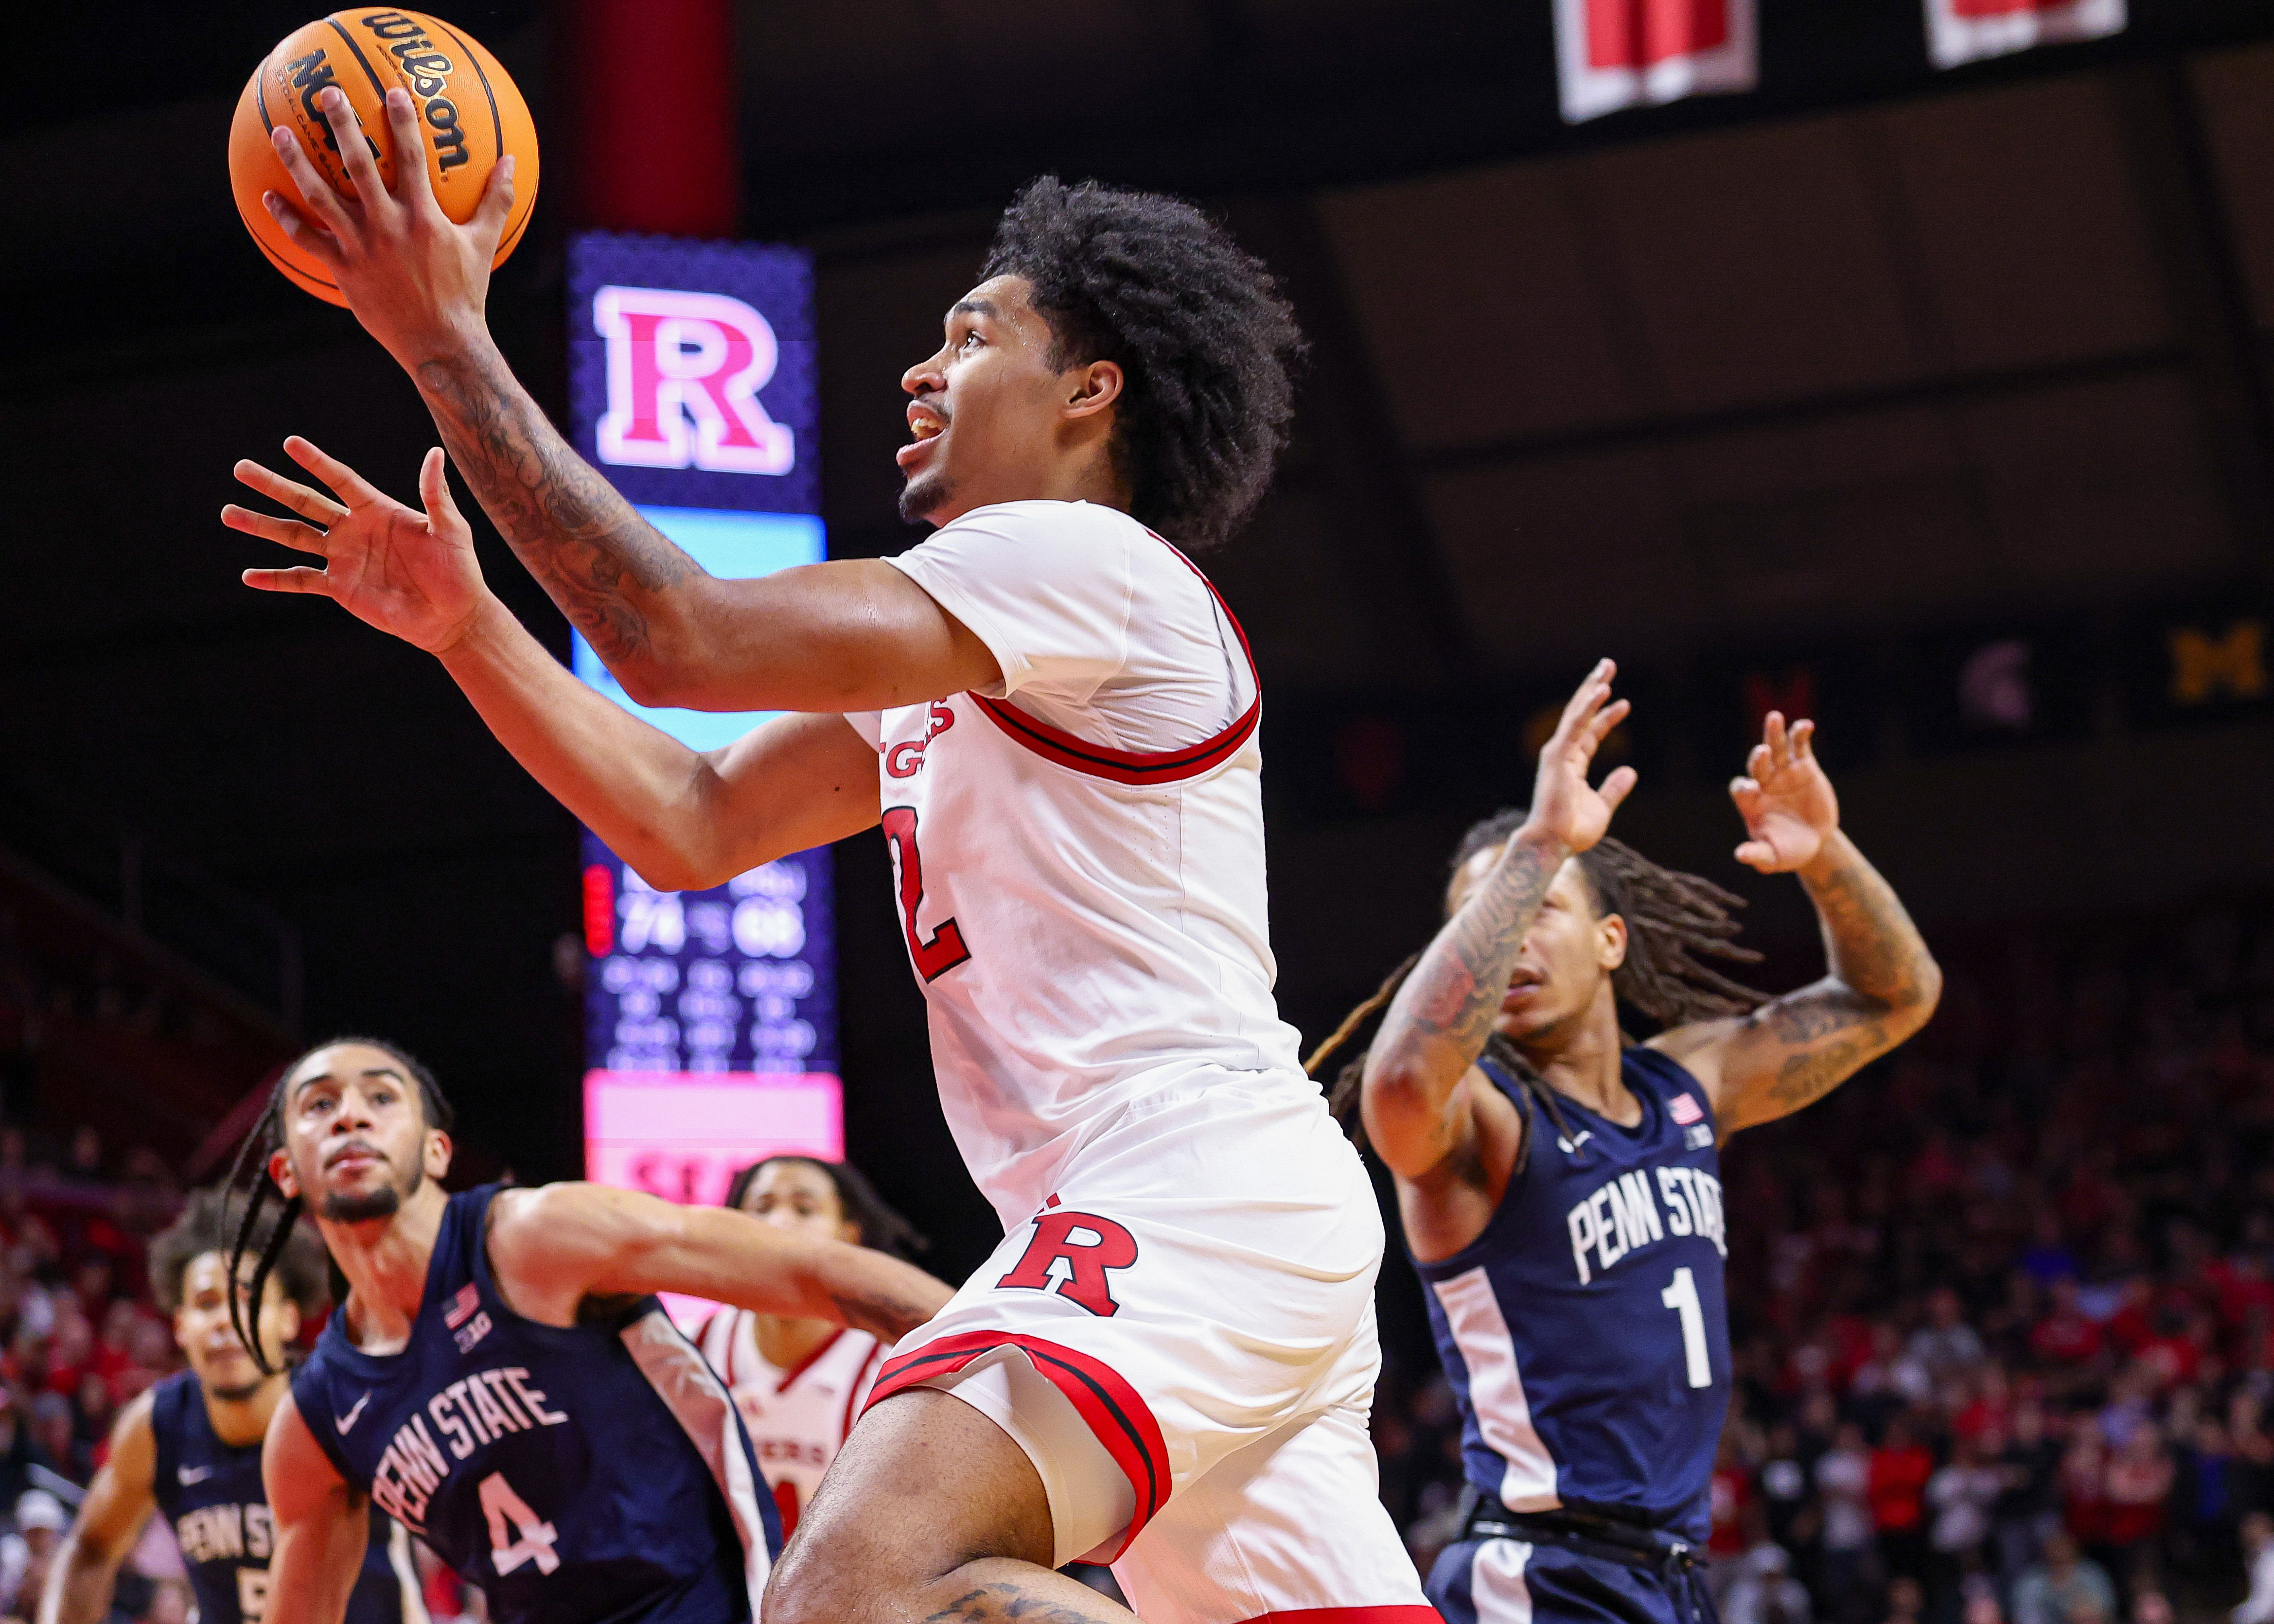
point(1074, 1252)
point(902, 760)
point(684, 373)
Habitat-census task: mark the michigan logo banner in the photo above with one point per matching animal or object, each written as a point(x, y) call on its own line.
point(1963, 31)
point(1614, 54)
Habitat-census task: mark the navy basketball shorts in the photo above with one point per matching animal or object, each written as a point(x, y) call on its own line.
point(1506, 1581)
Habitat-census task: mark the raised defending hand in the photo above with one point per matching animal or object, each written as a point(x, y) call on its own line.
point(1565, 807)
point(417, 281)
point(410, 574)
point(1786, 801)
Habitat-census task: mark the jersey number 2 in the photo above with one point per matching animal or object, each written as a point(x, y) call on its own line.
point(1681, 1298)
point(502, 1506)
point(944, 950)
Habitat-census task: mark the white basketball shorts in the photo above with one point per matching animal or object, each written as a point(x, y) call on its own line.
point(1183, 1343)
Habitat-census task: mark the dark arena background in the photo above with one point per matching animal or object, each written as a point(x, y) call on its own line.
point(1934, 401)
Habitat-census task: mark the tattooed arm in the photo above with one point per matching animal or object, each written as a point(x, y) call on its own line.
point(1448, 1134)
point(1883, 984)
point(852, 636)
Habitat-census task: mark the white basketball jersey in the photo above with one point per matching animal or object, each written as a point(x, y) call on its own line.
point(797, 1418)
point(1080, 849)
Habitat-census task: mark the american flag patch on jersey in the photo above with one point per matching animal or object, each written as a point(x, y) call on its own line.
point(462, 1305)
point(1685, 1110)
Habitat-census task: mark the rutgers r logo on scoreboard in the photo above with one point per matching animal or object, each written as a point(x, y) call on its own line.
point(683, 375)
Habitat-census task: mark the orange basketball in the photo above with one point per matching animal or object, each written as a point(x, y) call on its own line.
point(471, 113)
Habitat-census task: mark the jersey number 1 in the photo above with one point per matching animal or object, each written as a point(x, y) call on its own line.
point(944, 950)
point(1681, 1298)
point(502, 1506)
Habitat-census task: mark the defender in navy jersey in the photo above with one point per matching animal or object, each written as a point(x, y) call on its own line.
point(502, 1380)
point(1560, 1187)
point(191, 1448)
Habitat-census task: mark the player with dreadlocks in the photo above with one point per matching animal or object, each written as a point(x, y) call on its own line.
point(1559, 1183)
point(189, 1447)
point(1054, 723)
point(499, 1377)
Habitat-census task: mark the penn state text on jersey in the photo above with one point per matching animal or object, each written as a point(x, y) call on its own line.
point(1585, 1332)
point(576, 1473)
point(210, 1495)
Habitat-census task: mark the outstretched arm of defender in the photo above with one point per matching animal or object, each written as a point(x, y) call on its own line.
point(1882, 985)
point(1420, 1077)
point(322, 1524)
point(111, 1519)
point(841, 637)
point(553, 1247)
point(684, 820)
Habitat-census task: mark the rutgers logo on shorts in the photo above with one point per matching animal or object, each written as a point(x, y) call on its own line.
point(1090, 1247)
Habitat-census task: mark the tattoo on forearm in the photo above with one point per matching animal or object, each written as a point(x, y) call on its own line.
point(1457, 988)
point(1808, 1077)
point(576, 535)
point(1870, 941)
point(989, 1602)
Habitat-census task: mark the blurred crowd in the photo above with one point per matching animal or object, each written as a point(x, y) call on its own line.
point(2002, 1307)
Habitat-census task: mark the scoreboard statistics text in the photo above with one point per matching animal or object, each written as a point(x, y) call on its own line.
point(710, 1017)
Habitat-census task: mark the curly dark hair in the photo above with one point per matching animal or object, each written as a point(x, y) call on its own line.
point(882, 1228)
point(251, 1172)
point(205, 1226)
point(1205, 343)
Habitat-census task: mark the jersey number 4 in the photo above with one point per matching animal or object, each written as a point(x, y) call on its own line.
point(502, 1507)
point(936, 955)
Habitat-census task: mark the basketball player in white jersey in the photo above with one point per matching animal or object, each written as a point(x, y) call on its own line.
point(799, 1383)
point(1170, 1362)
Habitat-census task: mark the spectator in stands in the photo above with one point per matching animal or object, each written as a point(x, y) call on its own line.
point(1843, 1481)
point(40, 1521)
point(1900, 1467)
point(1946, 1346)
point(1765, 1592)
point(1959, 1495)
point(2258, 1559)
point(2056, 1590)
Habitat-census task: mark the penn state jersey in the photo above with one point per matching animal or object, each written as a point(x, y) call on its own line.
point(577, 1474)
point(1585, 1332)
point(210, 1495)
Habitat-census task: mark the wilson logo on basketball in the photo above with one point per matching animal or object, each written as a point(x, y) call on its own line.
point(684, 373)
point(425, 75)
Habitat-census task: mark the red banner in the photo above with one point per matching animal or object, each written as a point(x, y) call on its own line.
point(1962, 31)
point(1614, 54)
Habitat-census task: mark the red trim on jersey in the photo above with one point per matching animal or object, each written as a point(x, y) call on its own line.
point(1402, 1613)
point(855, 1394)
point(1137, 766)
point(1121, 1420)
point(1407, 1613)
point(806, 1364)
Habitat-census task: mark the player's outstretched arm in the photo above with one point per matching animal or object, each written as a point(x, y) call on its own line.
point(1882, 985)
point(1421, 1087)
point(322, 1524)
point(854, 635)
point(684, 820)
point(111, 1519)
point(553, 1246)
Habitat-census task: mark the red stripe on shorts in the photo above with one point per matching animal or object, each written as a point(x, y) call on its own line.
point(1406, 1613)
point(1122, 1421)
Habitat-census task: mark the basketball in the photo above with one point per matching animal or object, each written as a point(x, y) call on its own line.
point(471, 114)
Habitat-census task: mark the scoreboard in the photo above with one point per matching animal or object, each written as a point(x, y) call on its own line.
point(710, 1017)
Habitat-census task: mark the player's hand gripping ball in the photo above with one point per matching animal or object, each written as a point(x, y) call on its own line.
point(470, 114)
